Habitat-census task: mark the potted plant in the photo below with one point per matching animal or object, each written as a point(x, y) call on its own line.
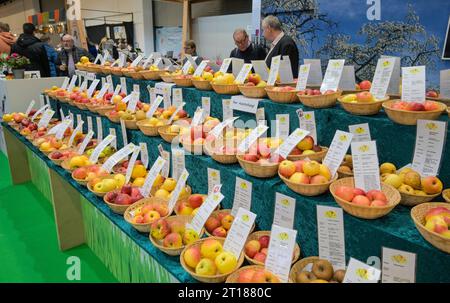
point(17, 64)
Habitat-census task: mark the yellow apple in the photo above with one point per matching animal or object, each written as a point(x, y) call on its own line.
point(225, 262)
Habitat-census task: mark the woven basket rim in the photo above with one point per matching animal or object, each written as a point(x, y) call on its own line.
point(387, 103)
point(241, 158)
point(308, 185)
point(386, 98)
point(338, 92)
point(418, 222)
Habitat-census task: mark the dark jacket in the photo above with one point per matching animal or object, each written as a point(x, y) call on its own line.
point(77, 53)
point(253, 52)
point(32, 48)
point(52, 55)
point(286, 47)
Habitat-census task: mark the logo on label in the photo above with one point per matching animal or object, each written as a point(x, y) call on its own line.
point(245, 218)
point(330, 214)
point(364, 148)
point(343, 138)
point(283, 236)
point(399, 259)
point(362, 273)
point(360, 130)
point(432, 126)
point(285, 202)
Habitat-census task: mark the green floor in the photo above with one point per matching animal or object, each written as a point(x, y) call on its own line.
point(28, 244)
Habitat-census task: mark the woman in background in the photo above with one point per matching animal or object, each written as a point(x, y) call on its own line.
point(52, 54)
point(6, 38)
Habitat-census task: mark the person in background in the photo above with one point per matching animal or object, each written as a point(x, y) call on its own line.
point(191, 49)
point(281, 44)
point(69, 56)
point(28, 45)
point(108, 44)
point(52, 54)
point(6, 38)
point(245, 49)
point(91, 48)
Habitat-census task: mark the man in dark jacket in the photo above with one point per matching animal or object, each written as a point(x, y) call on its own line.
point(245, 49)
point(281, 44)
point(69, 56)
point(31, 47)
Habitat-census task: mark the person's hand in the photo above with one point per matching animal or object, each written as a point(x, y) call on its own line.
point(63, 67)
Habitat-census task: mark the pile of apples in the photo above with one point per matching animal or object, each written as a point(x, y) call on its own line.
point(207, 74)
point(138, 174)
point(178, 127)
point(305, 172)
point(255, 80)
point(127, 195)
point(104, 154)
point(167, 187)
point(363, 97)
point(437, 220)
point(219, 223)
point(306, 147)
point(357, 196)
point(409, 181)
point(198, 135)
point(261, 152)
point(257, 275)
point(322, 271)
point(149, 213)
point(62, 155)
point(173, 233)
point(257, 249)
point(50, 144)
point(364, 85)
point(191, 205)
point(83, 61)
point(104, 185)
point(284, 89)
point(223, 79)
point(432, 94)
point(89, 173)
point(347, 165)
point(78, 161)
point(121, 111)
point(209, 258)
point(415, 106)
point(314, 92)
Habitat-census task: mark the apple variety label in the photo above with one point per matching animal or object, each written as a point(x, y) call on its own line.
point(288, 145)
point(330, 229)
point(348, 78)
point(105, 57)
point(333, 75)
point(123, 85)
point(65, 83)
point(178, 162)
point(280, 252)
point(176, 193)
point(394, 83)
point(242, 195)
point(185, 68)
point(244, 104)
point(144, 153)
point(111, 84)
point(250, 139)
point(83, 86)
point(359, 272)
point(177, 97)
point(64, 126)
point(261, 115)
point(151, 176)
point(199, 70)
point(261, 69)
point(205, 210)
point(413, 84)
point(127, 98)
point(180, 107)
point(274, 69)
point(152, 93)
point(112, 131)
point(100, 147)
point(216, 131)
point(136, 61)
point(365, 165)
point(131, 164)
point(124, 132)
point(85, 142)
point(72, 83)
point(284, 211)
point(236, 66)
point(79, 119)
point(382, 77)
point(133, 101)
point(46, 117)
point(206, 105)
point(360, 132)
point(99, 129)
point(191, 60)
point(98, 58)
point(282, 121)
point(118, 156)
point(91, 76)
point(136, 88)
point(227, 109)
point(122, 59)
point(42, 100)
point(338, 149)
point(225, 65)
point(30, 106)
point(315, 73)
point(154, 106)
point(39, 111)
point(198, 117)
point(307, 121)
point(239, 231)
point(103, 91)
point(285, 70)
point(103, 81)
point(116, 91)
point(246, 69)
point(147, 61)
point(429, 147)
point(445, 84)
point(213, 179)
point(47, 99)
point(303, 73)
point(166, 156)
point(398, 266)
point(78, 129)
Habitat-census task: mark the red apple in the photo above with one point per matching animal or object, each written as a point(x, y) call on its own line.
point(361, 200)
point(264, 241)
point(345, 193)
point(365, 85)
point(374, 194)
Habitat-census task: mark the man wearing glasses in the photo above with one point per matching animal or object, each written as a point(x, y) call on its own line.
point(191, 49)
point(245, 49)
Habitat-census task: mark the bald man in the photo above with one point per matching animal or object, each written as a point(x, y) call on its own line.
point(69, 56)
point(245, 49)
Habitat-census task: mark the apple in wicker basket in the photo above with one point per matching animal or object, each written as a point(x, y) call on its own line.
point(314, 92)
point(127, 195)
point(306, 147)
point(172, 233)
point(219, 223)
point(261, 152)
point(415, 106)
point(149, 213)
point(256, 275)
point(89, 173)
point(305, 172)
point(373, 198)
point(437, 220)
point(62, 155)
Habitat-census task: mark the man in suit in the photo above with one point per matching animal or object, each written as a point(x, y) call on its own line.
point(281, 44)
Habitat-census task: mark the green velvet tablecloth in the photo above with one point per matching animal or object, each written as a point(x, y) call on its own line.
point(363, 238)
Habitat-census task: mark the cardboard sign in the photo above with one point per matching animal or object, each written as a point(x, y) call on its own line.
point(225, 65)
point(365, 165)
point(216, 131)
point(236, 66)
point(178, 162)
point(250, 139)
point(398, 266)
point(199, 70)
point(246, 69)
point(430, 142)
point(133, 101)
point(359, 272)
point(92, 88)
point(30, 107)
point(244, 104)
point(177, 97)
point(99, 129)
point(307, 121)
point(181, 183)
point(332, 75)
point(147, 61)
point(131, 164)
point(180, 107)
point(123, 85)
point(78, 129)
point(83, 86)
point(330, 229)
point(285, 70)
point(112, 131)
point(64, 126)
point(227, 109)
point(206, 105)
point(65, 83)
point(213, 179)
point(46, 117)
point(198, 117)
point(288, 145)
point(111, 85)
point(284, 211)
point(79, 119)
point(72, 83)
point(98, 59)
point(315, 73)
point(303, 73)
point(85, 142)
point(90, 125)
point(122, 59)
point(337, 151)
point(394, 84)
point(144, 154)
point(137, 61)
point(274, 69)
point(166, 156)
point(117, 157)
point(242, 195)
point(123, 129)
point(360, 132)
point(239, 231)
point(154, 106)
point(382, 77)
point(151, 176)
point(186, 67)
point(103, 91)
point(191, 60)
point(39, 111)
point(261, 69)
point(205, 210)
point(99, 148)
point(348, 81)
point(413, 84)
point(261, 116)
point(282, 126)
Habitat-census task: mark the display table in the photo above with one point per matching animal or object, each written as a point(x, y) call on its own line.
point(363, 238)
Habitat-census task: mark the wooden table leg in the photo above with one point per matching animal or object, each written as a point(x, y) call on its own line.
point(67, 210)
point(17, 157)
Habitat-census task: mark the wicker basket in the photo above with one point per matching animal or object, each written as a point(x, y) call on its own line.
point(226, 89)
point(116, 208)
point(366, 212)
point(446, 195)
point(92, 107)
point(208, 279)
point(116, 72)
point(183, 82)
point(65, 165)
point(126, 72)
point(363, 109)
point(215, 213)
point(195, 149)
point(130, 124)
point(233, 278)
point(142, 227)
point(221, 158)
point(309, 190)
point(342, 174)
point(106, 70)
point(418, 216)
point(99, 194)
point(256, 235)
point(151, 131)
point(81, 106)
point(167, 136)
point(299, 266)
point(413, 200)
point(112, 119)
point(136, 75)
point(319, 156)
point(79, 181)
point(291, 84)
point(151, 74)
point(406, 117)
point(173, 251)
point(321, 101)
point(256, 170)
point(202, 84)
point(282, 97)
point(102, 110)
point(167, 77)
point(253, 91)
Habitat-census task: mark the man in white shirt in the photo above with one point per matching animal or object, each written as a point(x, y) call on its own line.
point(281, 44)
